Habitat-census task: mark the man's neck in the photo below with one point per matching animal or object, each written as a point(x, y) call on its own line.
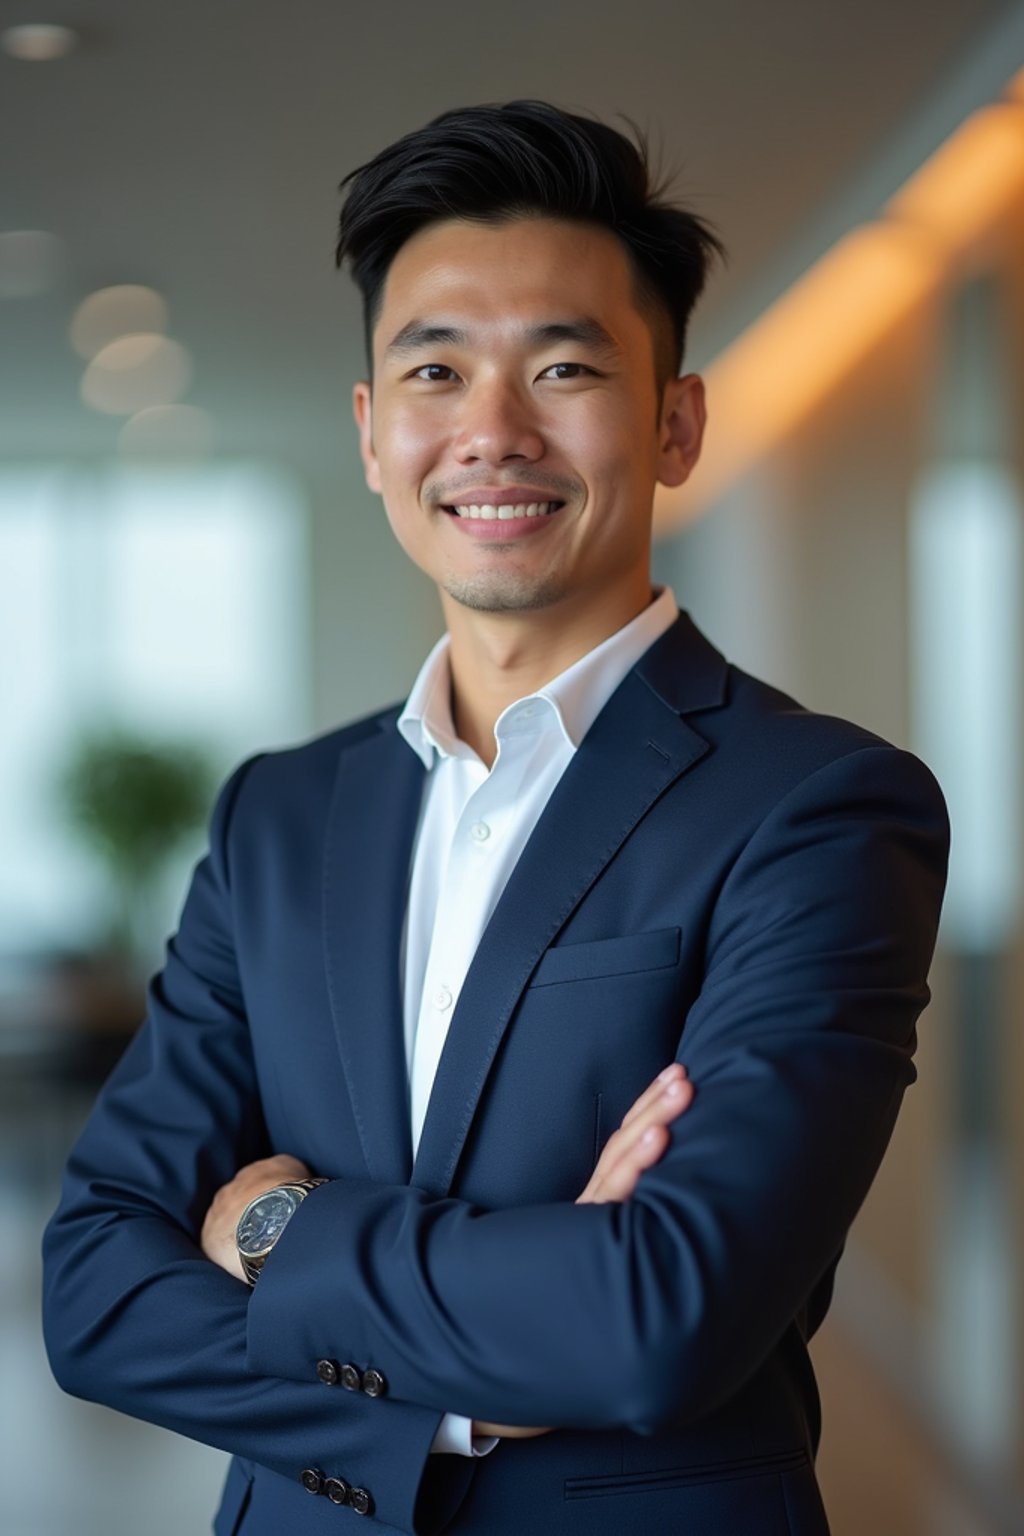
point(497, 658)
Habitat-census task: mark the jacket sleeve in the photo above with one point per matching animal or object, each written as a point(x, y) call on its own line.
point(135, 1316)
point(656, 1310)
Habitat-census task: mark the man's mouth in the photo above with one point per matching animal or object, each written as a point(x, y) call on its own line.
point(488, 512)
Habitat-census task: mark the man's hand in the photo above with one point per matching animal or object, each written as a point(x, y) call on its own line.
point(637, 1144)
point(641, 1138)
point(218, 1235)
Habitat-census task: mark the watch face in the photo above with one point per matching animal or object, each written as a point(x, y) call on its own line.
point(265, 1220)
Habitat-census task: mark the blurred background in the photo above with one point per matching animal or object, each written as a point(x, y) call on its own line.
point(191, 569)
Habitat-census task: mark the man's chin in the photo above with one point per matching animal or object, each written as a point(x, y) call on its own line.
point(504, 592)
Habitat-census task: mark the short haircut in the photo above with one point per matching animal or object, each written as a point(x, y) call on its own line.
point(528, 158)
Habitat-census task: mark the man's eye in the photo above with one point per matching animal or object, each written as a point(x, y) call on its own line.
point(565, 371)
point(435, 373)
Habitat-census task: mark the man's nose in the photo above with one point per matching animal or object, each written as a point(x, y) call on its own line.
point(497, 422)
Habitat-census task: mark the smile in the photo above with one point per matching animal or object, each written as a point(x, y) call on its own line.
point(490, 513)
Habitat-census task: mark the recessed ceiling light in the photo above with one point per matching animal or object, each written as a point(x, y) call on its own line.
point(136, 371)
point(38, 42)
point(168, 431)
point(112, 312)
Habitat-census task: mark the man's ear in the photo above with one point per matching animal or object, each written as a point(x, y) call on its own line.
point(362, 410)
point(681, 428)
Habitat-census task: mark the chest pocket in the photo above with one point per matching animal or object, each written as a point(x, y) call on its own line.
point(597, 1023)
point(598, 958)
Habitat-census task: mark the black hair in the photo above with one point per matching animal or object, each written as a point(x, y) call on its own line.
point(491, 163)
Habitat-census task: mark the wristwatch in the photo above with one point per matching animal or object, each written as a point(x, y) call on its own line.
point(264, 1219)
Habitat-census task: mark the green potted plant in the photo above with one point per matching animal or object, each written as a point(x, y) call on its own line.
point(132, 801)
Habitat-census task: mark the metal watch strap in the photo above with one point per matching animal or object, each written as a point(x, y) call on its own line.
point(251, 1268)
point(304, 1184)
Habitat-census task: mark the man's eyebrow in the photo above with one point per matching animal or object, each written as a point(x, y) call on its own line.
point(583, 332)
point(418, 334)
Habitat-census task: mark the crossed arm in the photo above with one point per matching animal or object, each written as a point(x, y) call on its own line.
point(637, 1144)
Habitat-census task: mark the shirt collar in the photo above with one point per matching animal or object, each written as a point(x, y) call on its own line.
point(573, 700)
point(426, 720)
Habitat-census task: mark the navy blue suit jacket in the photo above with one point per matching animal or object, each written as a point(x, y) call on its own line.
point(720, 877)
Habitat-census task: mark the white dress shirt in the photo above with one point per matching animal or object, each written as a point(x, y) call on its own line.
point(474, 824)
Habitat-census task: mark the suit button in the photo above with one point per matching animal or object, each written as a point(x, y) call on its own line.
point(312, 1480)
point(359, 1500)
point(374, 1384)
point(336, 1489)
point(327, 1371)
point(351, 1380)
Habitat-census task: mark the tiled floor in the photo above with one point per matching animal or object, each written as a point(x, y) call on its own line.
point(70, 1466)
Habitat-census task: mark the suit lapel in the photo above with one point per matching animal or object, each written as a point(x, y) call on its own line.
point(366, 874)
point(638, 746)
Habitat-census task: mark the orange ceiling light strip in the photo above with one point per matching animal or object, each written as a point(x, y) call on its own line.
point(970, 182)
point(800, 350)
point(773, 377)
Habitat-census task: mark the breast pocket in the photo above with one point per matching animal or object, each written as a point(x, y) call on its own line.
point(594, 1026)
point(597, 958)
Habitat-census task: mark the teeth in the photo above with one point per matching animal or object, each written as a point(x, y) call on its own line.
point(489, 513)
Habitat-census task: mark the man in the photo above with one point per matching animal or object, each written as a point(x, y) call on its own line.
point(341, 1209)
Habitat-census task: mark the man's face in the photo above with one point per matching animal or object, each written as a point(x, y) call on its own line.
point(514, 426)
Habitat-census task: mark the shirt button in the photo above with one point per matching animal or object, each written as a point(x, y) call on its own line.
point(528, 711)
point(481, 831)
point(442, 998)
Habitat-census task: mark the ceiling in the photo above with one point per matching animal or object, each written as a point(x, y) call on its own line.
point(197, 147)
